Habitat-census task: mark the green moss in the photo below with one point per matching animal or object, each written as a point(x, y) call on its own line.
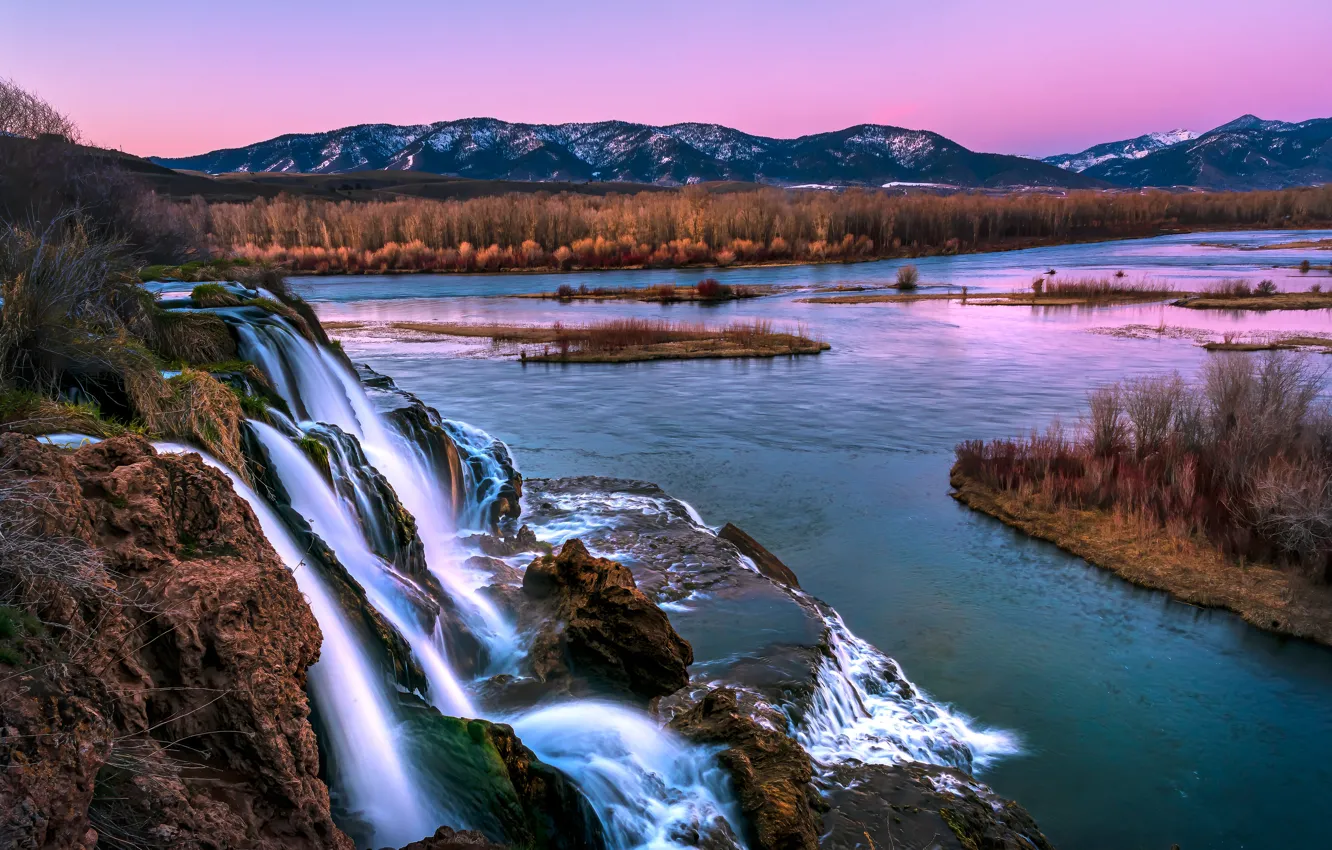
point(254, 406)
point(317, 452)
point(195, 270)
point(16, 624)
point(213, 295)
point(965, 834)
point(270, 305)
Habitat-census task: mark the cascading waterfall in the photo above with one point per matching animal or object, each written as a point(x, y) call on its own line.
point(373, 772)
point(319, 388)
point(313, 498)
point(647, 786)
point(863, 709)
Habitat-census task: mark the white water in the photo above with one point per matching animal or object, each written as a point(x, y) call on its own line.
point(351, 698)
point(313, 498)
point(328, 392)
point(865, 710)
point(648, 786)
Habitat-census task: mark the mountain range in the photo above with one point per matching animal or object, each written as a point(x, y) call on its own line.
point(1247, 153)
point(489, 149)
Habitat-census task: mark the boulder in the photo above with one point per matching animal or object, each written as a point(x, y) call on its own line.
point(771, 773)
point(597, 625)
point(768, 564)
point(447, 838)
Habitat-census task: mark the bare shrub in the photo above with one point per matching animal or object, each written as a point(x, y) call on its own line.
point(1151, 405)
point(1106, 418)
point(24, 114)
point(1244, 457)
point(908, 277)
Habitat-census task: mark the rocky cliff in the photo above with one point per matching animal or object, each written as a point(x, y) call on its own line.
point(155, 695)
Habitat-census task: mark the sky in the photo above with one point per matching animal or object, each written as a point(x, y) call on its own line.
point(1030, 77)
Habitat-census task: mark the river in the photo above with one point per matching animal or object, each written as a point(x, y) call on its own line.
point(1142, 722)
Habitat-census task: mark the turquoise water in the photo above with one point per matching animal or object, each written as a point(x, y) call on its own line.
point(1144, 722)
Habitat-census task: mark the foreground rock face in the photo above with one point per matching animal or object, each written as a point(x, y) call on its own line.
point(598, 625)
point(770, 772)
point(168, 619)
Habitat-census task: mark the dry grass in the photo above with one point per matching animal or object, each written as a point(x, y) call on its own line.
point(1104, 290)
point(625, 340)
point(204, 411)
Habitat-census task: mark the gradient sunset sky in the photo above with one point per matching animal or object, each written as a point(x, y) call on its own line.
point(1030, 77)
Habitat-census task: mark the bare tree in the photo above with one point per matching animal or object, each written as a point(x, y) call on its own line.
point(23, 113)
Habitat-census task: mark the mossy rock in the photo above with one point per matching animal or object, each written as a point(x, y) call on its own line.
point(16, 625)
point(499, 786)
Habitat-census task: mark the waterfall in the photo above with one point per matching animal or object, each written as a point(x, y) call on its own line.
point(324, 390)
point(313, 497)
point(372, 770)
point(864, 710)
point(650, 788)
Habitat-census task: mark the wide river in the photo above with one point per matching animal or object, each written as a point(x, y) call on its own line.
point(1142, 722)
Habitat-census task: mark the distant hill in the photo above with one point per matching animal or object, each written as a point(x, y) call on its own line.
point(1135, 148)
point(1247, 153)
point(618, 151)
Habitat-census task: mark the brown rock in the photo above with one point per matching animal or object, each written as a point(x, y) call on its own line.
point(768, 564)
point(598, 624)
point(164, 703)
point(770, 771)
point(921, 805)
point(446, 838)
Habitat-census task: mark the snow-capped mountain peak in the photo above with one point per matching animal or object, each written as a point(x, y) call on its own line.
point(677, 154)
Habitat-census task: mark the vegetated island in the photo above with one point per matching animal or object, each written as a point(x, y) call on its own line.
point(1049, 291)
point(1315, 244)
point(1236, 294)
point(618, 340)
point(706, 291)
point(1276, 343)
point(1219, 493)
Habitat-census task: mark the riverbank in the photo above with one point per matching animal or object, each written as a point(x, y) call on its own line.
point(1190, 570)
point(613, 341)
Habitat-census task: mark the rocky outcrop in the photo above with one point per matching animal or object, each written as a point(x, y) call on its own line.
point(500, 787)
point(768, 564)
point(769, 770)
point(920, 805)
point(163, 703)
point(447, 838)
point(598, 626)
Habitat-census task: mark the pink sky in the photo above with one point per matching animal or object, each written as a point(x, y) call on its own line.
point(1030, 77)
